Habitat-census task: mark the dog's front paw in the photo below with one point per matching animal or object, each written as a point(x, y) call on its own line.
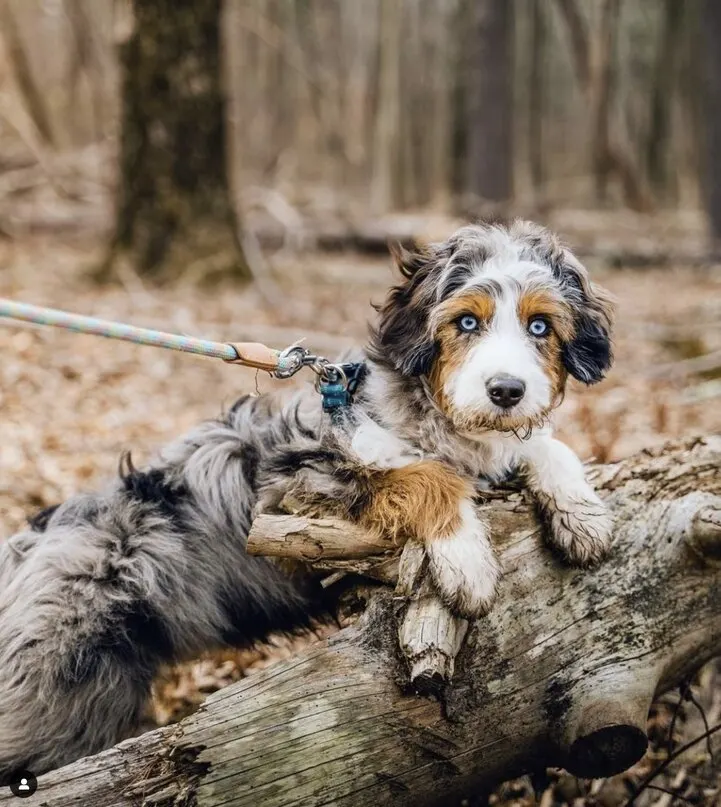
point(580, 527)
point(465, 570)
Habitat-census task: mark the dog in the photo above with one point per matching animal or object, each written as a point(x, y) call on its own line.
point(467, 361)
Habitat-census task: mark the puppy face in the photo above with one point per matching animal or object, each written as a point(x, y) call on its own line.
point(495, 319)
point(498, 363)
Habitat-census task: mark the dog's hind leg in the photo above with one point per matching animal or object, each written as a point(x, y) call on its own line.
point(106, 587)
point(115, 586)
point(79, 636)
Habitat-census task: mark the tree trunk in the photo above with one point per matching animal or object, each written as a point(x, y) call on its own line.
point(658, 142)
point(537, 87)
point(601, 87)
point(562, 672)
point(385, 183)
point(441, 92)
point(174, 211)
point(609, 153)
point(489, 101)
point(711, 23)
point(578, 36)
point(32, 95)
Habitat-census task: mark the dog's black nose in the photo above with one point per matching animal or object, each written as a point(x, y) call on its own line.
point(505, 391)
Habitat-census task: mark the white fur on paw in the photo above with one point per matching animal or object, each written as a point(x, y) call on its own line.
point(464, 567)
point(580, 526)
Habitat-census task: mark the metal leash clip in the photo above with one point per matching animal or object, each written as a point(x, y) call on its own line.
point(336, 383)
point(295, 357)
point(330, 374)
point(291, 360)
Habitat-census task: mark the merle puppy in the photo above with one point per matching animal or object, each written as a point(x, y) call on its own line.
point(470, 356)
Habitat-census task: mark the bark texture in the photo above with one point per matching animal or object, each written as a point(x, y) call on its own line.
point(174, 208)
point(562, 672)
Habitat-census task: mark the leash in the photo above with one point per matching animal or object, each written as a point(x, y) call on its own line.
point(335, 382)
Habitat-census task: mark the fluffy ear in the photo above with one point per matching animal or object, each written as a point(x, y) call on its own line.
point(401, 339)
point(589, 354)
point(409, 260)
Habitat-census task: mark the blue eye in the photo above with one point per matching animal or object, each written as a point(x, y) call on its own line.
point(538, 327)
point(468, 323)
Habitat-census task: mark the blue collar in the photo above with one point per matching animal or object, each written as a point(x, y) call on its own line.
point(338, 389)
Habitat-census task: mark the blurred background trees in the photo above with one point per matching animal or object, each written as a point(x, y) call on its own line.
point(487, 82)
point(344, 110)
point(711, 83)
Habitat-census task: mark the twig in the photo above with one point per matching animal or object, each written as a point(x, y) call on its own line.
point(683, 690)
point(671, 757)
point(702, 711)
point(276, 38)
point(686, 694)
point(670, 793)
point(260, 270)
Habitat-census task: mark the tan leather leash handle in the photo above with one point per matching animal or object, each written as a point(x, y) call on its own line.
point(255, 354)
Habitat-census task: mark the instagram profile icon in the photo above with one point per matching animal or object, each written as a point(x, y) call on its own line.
point(23, 784)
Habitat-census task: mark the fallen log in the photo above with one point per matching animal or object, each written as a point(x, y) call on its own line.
point(561, 673)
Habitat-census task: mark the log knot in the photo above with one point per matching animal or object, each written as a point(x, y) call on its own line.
point(607, 741)
point(705, 532)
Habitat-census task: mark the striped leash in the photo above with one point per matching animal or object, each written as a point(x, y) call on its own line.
point(279, 363)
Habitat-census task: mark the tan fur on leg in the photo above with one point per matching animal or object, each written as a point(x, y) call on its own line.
point(431, 503)
point(421, 501)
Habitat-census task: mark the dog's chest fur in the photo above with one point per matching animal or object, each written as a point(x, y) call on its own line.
point(392, 425)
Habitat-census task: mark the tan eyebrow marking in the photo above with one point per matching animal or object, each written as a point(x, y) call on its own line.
point(541, 302)
point(480, 304)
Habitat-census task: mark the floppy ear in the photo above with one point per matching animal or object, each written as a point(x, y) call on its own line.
point(409, 261)
point(401, 339)
point(589, 354)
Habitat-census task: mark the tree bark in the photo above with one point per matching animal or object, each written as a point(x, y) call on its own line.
point(174, 210)
point(562, 672)
point(711, 24)
point(489, 101)
point(601, 90)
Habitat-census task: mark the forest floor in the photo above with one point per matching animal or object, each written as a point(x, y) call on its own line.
point(69, 405)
